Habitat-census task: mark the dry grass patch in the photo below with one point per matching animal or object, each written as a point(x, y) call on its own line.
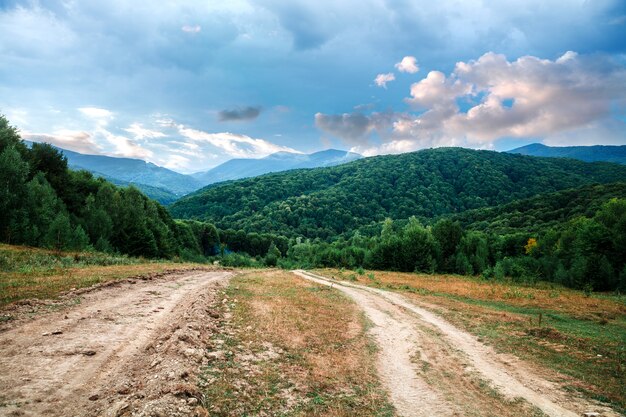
point(581, 337)
point(294, 348)
point(32, 273)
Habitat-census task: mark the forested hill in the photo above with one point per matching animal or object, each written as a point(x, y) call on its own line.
point(326, 202)
point(541, 212)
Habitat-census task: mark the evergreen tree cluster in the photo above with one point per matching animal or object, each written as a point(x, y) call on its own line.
point(43, 203)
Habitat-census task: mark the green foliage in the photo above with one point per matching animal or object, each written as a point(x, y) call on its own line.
point(43, 203)
point(541, 212)
point(328, 202)
point(272, 256)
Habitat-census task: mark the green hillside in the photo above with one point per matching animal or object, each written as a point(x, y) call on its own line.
point(430, 183)
point(541, 212)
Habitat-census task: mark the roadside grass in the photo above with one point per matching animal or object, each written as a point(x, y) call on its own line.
point(33, 273)
point(293, 348)
point(582, 337)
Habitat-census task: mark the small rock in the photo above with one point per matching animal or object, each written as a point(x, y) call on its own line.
point(94, 397)
point(217, 355)
point(124, 391)
point(89, 352)
point(192, 401)
point(592, 414)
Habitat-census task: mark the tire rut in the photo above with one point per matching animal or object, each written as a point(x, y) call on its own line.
point(78, 360)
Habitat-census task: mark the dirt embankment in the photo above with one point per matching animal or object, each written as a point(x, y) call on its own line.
point(130, 348)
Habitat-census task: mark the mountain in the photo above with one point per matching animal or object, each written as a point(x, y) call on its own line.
point(156, 182)
point(161, 195)
point(280, 161)
point(135, 171)
point(326, 202)
point(616, 154)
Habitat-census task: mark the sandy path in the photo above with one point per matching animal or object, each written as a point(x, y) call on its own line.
point(122, 350)
point(397, 323)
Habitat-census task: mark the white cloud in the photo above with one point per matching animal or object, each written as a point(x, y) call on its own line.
point(234, 145)
point(96, 112)
point(191, 29)
point(564, 101)
point(381, 80)
point(408, 64)
point(77, 141)
point(100, 116)
point(124, 146)
point(139, 132)
point(176, 163)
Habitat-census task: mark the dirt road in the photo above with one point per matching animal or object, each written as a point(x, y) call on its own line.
point(131, 348)
point(432, 368)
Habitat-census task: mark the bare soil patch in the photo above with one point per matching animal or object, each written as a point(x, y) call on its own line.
point(132, 347)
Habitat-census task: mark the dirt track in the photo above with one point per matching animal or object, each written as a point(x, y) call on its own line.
point(132, 348)
point(405, 332)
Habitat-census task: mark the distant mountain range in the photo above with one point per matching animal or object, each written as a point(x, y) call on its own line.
point(281, 161)
point(156, 182)
point(616, 154)
point(166, 186)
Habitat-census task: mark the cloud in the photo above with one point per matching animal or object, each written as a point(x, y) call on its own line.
point(436, 91)
point(381, 80)
point(191, 29)
point(355, 128)
point(77, 141)
point(139, 132)
point(177, 162)
point(351, 127)
point(240, 114)
point(124, 146)
point(102, 117)
point(572, 96)
point(235, 145)
point(96, 112)
point(408, 64)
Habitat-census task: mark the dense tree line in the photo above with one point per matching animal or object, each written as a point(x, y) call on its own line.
point(584, 252)
point(327, 202)
point(543, 211)
point(43, 203)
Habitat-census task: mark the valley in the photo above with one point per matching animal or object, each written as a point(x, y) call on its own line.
point(313, 208)
point(448, 282)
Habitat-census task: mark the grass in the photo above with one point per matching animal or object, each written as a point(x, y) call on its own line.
point(582, 337)
point(295, 349)
point(32, 273)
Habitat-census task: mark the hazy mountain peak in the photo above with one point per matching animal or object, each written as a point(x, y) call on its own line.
point(276, 162)
point(594, 153)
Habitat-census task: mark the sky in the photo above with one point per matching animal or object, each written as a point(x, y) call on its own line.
point(190, 84)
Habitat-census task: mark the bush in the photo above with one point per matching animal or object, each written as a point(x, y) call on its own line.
point(238, 260)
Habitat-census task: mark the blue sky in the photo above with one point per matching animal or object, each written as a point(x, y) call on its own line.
point(190, 84)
